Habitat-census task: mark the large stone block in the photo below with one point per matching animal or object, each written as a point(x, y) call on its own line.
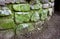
point(5, 11)
point(50, 11)
point(45, 5)
point(44, 14)
point(22, 17)
point(2, 2)
point(36, 6)
point(21, 7)
point(44, 1)
point(51, 4)
point(35, 16)
point(24, 28)
point(6, 22)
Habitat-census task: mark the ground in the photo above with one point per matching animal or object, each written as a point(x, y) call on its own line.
point(52, 30)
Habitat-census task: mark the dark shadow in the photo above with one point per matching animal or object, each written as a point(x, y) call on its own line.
point(57, 7)
point(28, 1)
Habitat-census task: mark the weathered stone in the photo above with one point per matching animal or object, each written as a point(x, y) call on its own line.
point(24, 28)
point(37, 1)
point(20, 1)
point(5, 11)
point(22, 17)
point(6, 22)
point(36, 6)
point(2, 2)
point(10, 6)
point(44, 1)
point(7, 34)
point(35, 16)
point(44, 14)
point(21, 7)
point(51, 4)
point(50, 11)
point(52, 0)
point(45, 5)
point(8, 1)
point(39, 23)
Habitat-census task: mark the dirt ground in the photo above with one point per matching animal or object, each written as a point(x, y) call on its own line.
point(52, 30)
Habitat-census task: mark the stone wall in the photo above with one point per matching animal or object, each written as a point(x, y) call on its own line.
point(21, 16)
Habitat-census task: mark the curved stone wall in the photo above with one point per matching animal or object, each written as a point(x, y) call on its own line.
point(22, 15)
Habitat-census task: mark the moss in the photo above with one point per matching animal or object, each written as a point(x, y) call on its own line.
point(35, 16)
point(44, 14)
point(22, 17)
point(21, 7)
point(6, 22)
point(24, 28)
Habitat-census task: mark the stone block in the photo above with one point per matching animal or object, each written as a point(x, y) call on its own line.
point(50, 11)
point(5, 11)
point(44, 1)
point(44, 14)
point(6, 22)
point(45, 5)
point(51, 4)
point(22, 17)
point(35, 16)
point(36, 6)
point(24, 28)
point(21, 7)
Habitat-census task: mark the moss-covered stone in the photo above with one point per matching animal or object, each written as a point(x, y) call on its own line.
point(6, 23)
point(36, 6)
point(44, 1)
point(35, 16)
point(44, 14)
point(22, 17)
point(5, 11)
point(24, 28)
point(21, 7)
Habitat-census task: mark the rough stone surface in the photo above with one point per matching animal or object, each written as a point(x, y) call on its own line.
point(44, 1)
point(50, 11)
point(26, 17)
point(22, 17)
point(45, 5)
point(21, 7)
point(6, 34)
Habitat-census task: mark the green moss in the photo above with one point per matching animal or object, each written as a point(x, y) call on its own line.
point(22, 17)
point(35, 16)
point(24, 28)
point(10, 6)
point(21, 7)
point(6, 22)
point(44, 14)
point(36, 6)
